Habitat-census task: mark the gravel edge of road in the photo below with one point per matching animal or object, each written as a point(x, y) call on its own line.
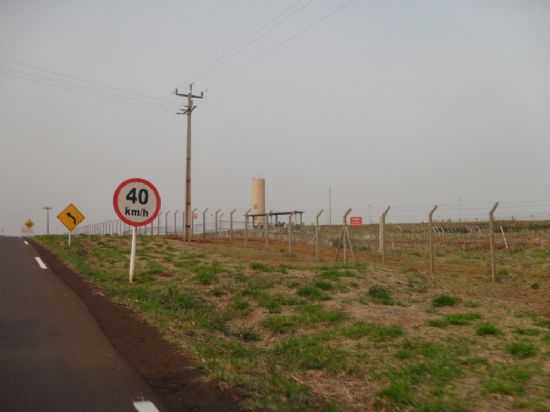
point(173, 376)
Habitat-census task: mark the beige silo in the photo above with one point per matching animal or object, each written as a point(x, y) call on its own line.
point(258, 199)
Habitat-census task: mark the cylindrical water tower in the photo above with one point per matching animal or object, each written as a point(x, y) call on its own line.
point(258, 199)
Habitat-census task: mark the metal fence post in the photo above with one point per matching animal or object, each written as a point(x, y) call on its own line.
point(430, 240)
point(183, 223)
point(492, 240)
point(346, 233)
point(381, 229)
point(231, 223)
point(317, 232)
point(158, 224)
point(193, 213)
point(246, 226)
point(266, 227)
point(220, 227)
point(166, 222)
point(176, 222)
point(290, 233)
point(204, 222)
point(216, 214)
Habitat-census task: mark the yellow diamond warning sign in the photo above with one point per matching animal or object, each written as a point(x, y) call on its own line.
point(71, 217)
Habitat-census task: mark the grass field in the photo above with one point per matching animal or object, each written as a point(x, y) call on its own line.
point(290, 334)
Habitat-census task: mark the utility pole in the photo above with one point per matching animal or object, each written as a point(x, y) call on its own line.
point(47, 209)
point(188, 110)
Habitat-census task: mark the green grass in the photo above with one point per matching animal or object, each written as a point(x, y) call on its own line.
point(282, 323)
point(312, 314)
point(177, 300)
point(312, 352)
point(186, 264)
point(206, 274)
point(261, 267)
point(335, 273)
point(521, 349)
point(374, 332)
point(283, 269)
point(543, 323)
point(305, 316)
point(444, 300)
point(457, 319)
point(429, 365)
point(312, 293)
point(378, 294)
point(487, 329)
point(204, 307)
point(527, 331)
point(258, 282)
point(507, 379)
point(324, 285)
point(462, 318)
point(240, 304)
point(273, 302)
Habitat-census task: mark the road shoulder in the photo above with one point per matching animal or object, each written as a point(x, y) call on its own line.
point(173, 377)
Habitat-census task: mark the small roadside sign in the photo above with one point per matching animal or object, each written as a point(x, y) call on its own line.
point(71, 217)
point(29, 224)
point(356, 220)
point(136, 202)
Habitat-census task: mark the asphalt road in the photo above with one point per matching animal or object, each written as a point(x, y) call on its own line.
point(53, 355)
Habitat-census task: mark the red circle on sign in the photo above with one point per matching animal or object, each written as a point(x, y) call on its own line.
point(121, 215)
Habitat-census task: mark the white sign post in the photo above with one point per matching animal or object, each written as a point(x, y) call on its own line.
point(137, 203)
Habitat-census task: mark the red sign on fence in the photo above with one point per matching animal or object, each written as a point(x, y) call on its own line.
point(356, 220)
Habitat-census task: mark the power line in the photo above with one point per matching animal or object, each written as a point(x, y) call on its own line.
point(341, 6)
point(278, 45)
point(43, 74)
point(93, 83)
point(261, 33)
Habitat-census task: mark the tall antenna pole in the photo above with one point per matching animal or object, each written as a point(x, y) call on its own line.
point(188, 110)
point(47, 209)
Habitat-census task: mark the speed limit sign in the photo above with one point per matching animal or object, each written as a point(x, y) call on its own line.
point(137, 203)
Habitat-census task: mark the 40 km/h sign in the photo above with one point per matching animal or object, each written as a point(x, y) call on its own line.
point(136, 203)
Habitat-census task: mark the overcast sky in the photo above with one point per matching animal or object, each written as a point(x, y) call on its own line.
point(408, 103)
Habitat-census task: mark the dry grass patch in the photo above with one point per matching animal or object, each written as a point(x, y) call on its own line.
point(291, 335)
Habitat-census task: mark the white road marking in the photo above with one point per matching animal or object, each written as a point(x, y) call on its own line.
point(145, 406)
point(40, 263)
point(26, 243)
